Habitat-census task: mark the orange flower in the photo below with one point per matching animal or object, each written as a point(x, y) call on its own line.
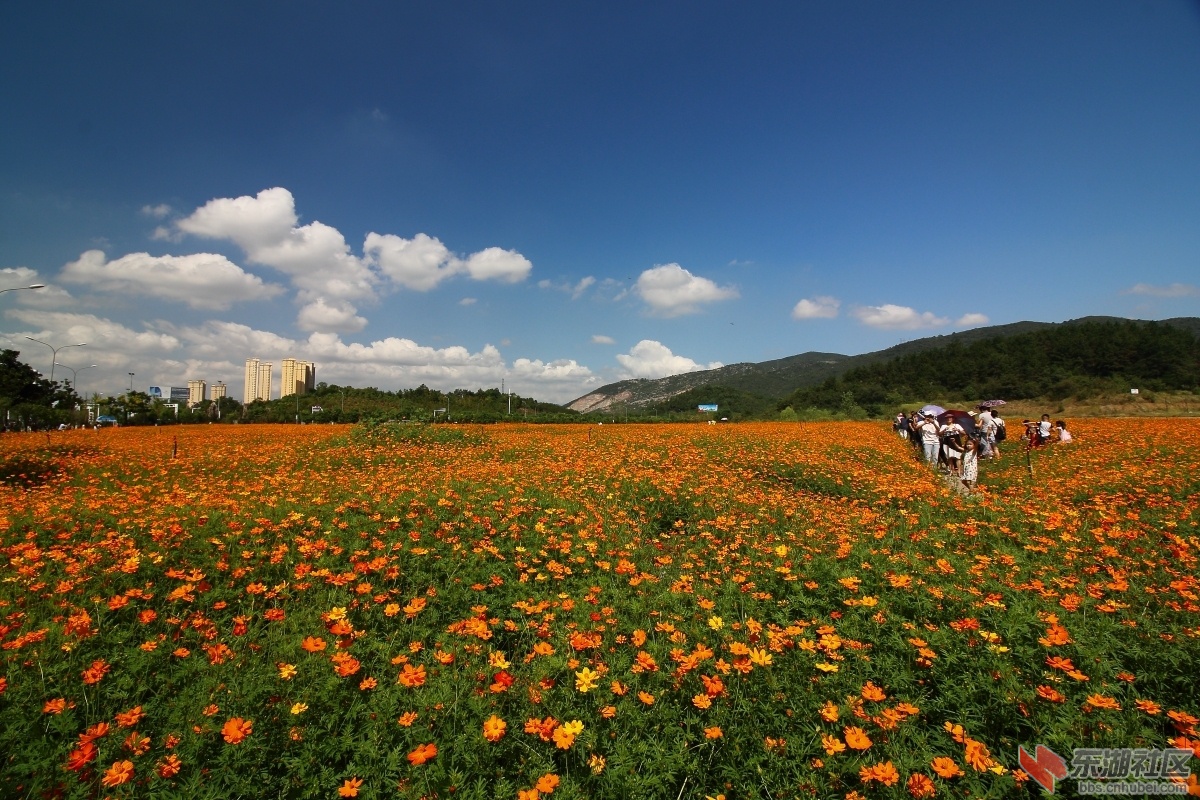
point(56, 706)
point(713, 733)
point(1051, 694)
point(81, 756)
point(237, 729)
point(120, 772)
point(547, 783)
point(829, 711)
point(127, 719)
point(410, 677)
point(832, 744)
point(96, 672)
point(884, 773)
point(407, 719)
point(856, 738)
point(423, 753)
point(312, 644)
point(946, 768)
point(646, 698)
point(1148, 706)
point(920, 786)
point(1099, 701)
point(169, 767)
point(494, 728)
point(702, 701)
point(873, 692)
point(350, 787)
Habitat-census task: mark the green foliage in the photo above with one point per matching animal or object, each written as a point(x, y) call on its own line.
point(1078, 360)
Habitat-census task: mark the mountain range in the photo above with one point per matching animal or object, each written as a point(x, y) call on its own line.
point(780, 377)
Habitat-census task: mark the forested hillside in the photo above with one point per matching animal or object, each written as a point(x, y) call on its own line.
point(1076, 360)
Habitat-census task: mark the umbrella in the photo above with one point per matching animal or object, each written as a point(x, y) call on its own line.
point(991, 404)
point(932, 409)
point(961, 417)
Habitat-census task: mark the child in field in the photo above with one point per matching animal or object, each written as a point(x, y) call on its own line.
point(970, 463)
point(1064, 435)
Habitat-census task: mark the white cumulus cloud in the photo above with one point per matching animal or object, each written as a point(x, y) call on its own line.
point(200, 280)
point(897, 318)
point(671, 291)
point(422, 262)
point(329, 315)
point(816, 308)
point(600, 338)
point(1174, 290)
point(971, 320)
point(651, 359)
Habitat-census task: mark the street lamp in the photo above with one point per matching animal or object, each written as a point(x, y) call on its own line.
point(19, 288)
point(74, 375)
point(131, 382)
point(54, 350)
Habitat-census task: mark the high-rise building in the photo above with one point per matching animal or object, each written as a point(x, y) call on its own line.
point(297, 377)
point(258, 380)
point(196, 392)
point(219, 390)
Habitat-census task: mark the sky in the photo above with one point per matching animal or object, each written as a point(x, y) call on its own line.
point(562, 195)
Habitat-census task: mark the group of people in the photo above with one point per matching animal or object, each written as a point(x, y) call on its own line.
point(956, 445)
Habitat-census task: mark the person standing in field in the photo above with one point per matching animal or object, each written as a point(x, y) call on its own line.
point(986, 424)
point(927, 429)
point(1000, 435)
point(952, 435)
point(970, 463)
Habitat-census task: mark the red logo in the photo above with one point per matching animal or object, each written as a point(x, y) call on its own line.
point(1045, 768)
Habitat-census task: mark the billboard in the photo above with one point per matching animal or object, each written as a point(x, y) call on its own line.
point(179, 394)
point(155, 392)
point(707, 408)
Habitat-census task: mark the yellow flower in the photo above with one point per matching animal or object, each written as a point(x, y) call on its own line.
point(827, 667)
point(299, 708)
point(286, 671)
point(596, 763)
point(497, 660)
point(586, 679)
point(760, 657)
point(336, 614)
point(716, 623)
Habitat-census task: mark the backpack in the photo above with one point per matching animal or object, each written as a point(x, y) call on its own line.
point(1001, 432)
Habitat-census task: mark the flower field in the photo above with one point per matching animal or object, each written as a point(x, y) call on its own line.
point(747, 611)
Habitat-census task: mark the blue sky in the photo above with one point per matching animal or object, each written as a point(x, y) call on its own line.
point(561, 195)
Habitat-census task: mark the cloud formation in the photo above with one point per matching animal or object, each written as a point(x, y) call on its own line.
point(167, 354)
point(1174, 290)
point(329, 278)
point(971, 320)
point(671, 291)
point(200, 280)
point(651, 359)
point(600, 338)
point(819, 307)
point(897, 318)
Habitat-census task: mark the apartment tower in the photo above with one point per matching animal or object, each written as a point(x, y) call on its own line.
point(258, 380)
point(219, 390)
point(297, 377)
point(196, 392)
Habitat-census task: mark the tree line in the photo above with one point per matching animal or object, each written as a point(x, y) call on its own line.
point(1079, 360)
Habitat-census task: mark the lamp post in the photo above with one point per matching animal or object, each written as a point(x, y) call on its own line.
point(54, 350)
point(75, 375)
point(131, 382)
point(19, 288)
